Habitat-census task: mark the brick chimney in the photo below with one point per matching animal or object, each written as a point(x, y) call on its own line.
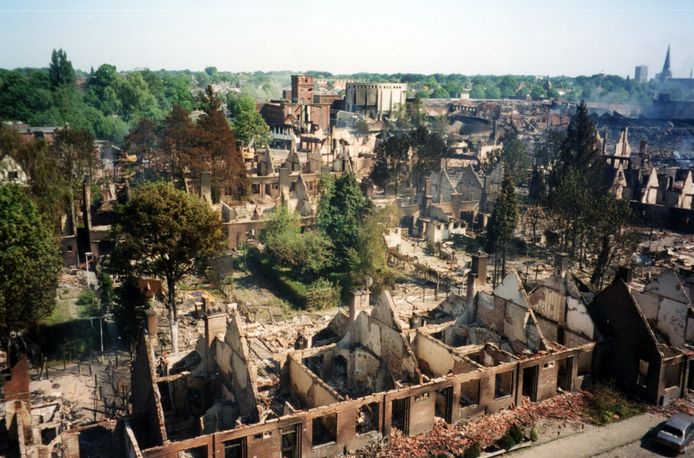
point(625, 274)
point(358, 301)
point(471, 290)
point(478, 267)
point(151, 322)
point(561, 264)
point(215, 323)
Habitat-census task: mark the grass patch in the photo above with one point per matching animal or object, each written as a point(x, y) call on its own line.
point(607, 405)
point(74, 339)
point(319, 294)
point(62, 312)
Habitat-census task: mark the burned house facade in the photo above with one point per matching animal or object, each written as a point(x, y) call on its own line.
point(647, 331)
point(355, 381)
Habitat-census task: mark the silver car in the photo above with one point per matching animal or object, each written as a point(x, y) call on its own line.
point(677, 432)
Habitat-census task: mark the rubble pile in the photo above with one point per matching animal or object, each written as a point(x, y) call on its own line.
point(681, 405)
point(565, 410)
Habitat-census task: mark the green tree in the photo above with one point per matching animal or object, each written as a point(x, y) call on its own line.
point(23, 97)
point(516, 159)
point(362, 127)
point(547, 150)
point(47, 185)
point(478, 92)
point(392, 156)
point(609, 236)
point(239, 103)
point(368, 257)
point(60, 72)
point(75, 154)
point(308, 254)
point(106, 291)
point(249, 126)
point(102, 89)
point(136, 99)
point(168, 233)
point(429, 147)
point(251, 129)
point(29, 263)
point(538, 92)
point(341, 212)
point(129, 308)
point(580, 147)
point(503, 223)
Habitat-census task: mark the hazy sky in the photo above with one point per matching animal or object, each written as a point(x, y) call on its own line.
point(429, 36)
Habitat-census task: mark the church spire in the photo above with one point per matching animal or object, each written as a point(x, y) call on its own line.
point(667, 72)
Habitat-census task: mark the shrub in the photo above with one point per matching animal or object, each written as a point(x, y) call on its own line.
point(516, 433)
point(609, 404)
point(472, 451)
point(506, 442)
point(533, 434)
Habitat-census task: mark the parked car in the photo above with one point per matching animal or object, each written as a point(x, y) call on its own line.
point(677, 432)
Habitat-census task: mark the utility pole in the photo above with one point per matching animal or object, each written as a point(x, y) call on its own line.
point(86, 266)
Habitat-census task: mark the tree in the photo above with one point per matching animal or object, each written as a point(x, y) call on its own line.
point(580, 147)
point(30, 262)
point(391, 156)
point(143, 140)
point(165, 232)
point(308, 254)
point(75, 154)
point(136, 99)
point(362, 127)
point(503, 223)
point(478, 92)
point(102, 89)
point(129, 308)
point(47, 186)
point(516, 159)
point(610, 235)
point(60, 72)
point(178, 140)
point(340, 216)
point(218, 152)
point(429, 147)
point(368, 257)
point(538, 92)
point(251, 129)
point(106, 291)
point(238, 103)
point(592, 224)
point(249, 126)
point(547, 150)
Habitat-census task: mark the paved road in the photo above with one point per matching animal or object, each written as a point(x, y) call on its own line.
point(623, 439)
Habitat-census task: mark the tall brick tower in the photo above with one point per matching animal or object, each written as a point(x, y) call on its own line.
point(302, 89)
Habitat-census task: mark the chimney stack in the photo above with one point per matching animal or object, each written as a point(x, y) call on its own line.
point(215, 323)
point(643, 152)
point(561, 264)
point(478, 267)
point(625, 273)
point(358, 301)
point(152, 324)
point(471, 290)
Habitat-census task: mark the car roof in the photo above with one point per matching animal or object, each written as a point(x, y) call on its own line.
point(680, 421)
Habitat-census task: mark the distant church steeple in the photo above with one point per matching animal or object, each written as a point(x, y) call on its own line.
point(667, 72)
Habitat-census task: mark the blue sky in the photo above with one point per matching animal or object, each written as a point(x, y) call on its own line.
point(444, 36)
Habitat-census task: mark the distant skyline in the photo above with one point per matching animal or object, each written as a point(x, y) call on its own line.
point(537, 37)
